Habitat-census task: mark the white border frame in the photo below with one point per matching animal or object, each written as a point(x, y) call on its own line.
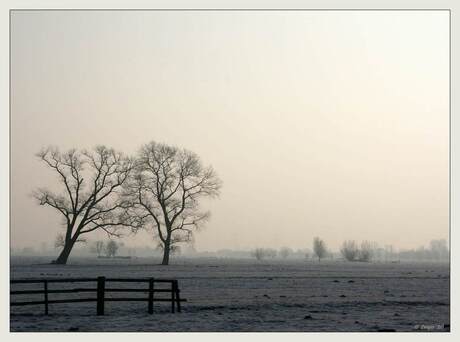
point(7, 5)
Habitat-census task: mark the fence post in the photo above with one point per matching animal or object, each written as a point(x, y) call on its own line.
point(151, 280)
point(100, 295)
point(173, 292)
point(177, 295)
point(45, 283)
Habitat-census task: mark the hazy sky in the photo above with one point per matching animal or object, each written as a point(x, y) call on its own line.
point(330, 124)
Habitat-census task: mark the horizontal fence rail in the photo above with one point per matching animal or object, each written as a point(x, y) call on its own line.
point(100, 290)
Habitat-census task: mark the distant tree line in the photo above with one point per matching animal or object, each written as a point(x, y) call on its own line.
point(319, 250)
point(102, 189)
point(367, 251)
point(435, 251)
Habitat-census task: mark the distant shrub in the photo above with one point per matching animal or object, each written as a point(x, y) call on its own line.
point(365, 252)
point(97, 248)
point(111, 249)
point(349, 250)
point(262, 253)
point(259, 253)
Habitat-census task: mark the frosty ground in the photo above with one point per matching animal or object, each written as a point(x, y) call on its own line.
point(246, 295)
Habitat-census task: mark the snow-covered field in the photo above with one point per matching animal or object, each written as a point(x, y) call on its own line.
point(245, 295)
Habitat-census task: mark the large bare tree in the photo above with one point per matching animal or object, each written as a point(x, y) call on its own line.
point(89, 198)
point(167, 186)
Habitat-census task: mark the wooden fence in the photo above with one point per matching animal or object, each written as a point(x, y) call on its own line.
point(101, 290)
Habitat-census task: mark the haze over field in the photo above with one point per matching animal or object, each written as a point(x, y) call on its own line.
point(330, 124)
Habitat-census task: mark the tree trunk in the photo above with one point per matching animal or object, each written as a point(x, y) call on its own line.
point(166, 250)
point(64, 255)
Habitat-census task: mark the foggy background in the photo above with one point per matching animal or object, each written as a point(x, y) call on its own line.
point(330, 124)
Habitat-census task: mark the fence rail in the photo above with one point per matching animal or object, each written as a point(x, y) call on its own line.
point(100, 291)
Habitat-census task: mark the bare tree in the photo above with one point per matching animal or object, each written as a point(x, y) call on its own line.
point(319, 247)
point(89, 198)
point(365, 252)
point(167, 187)
point(349, 250)
point(259, 253)
point(98, 248)
point(111, 248)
